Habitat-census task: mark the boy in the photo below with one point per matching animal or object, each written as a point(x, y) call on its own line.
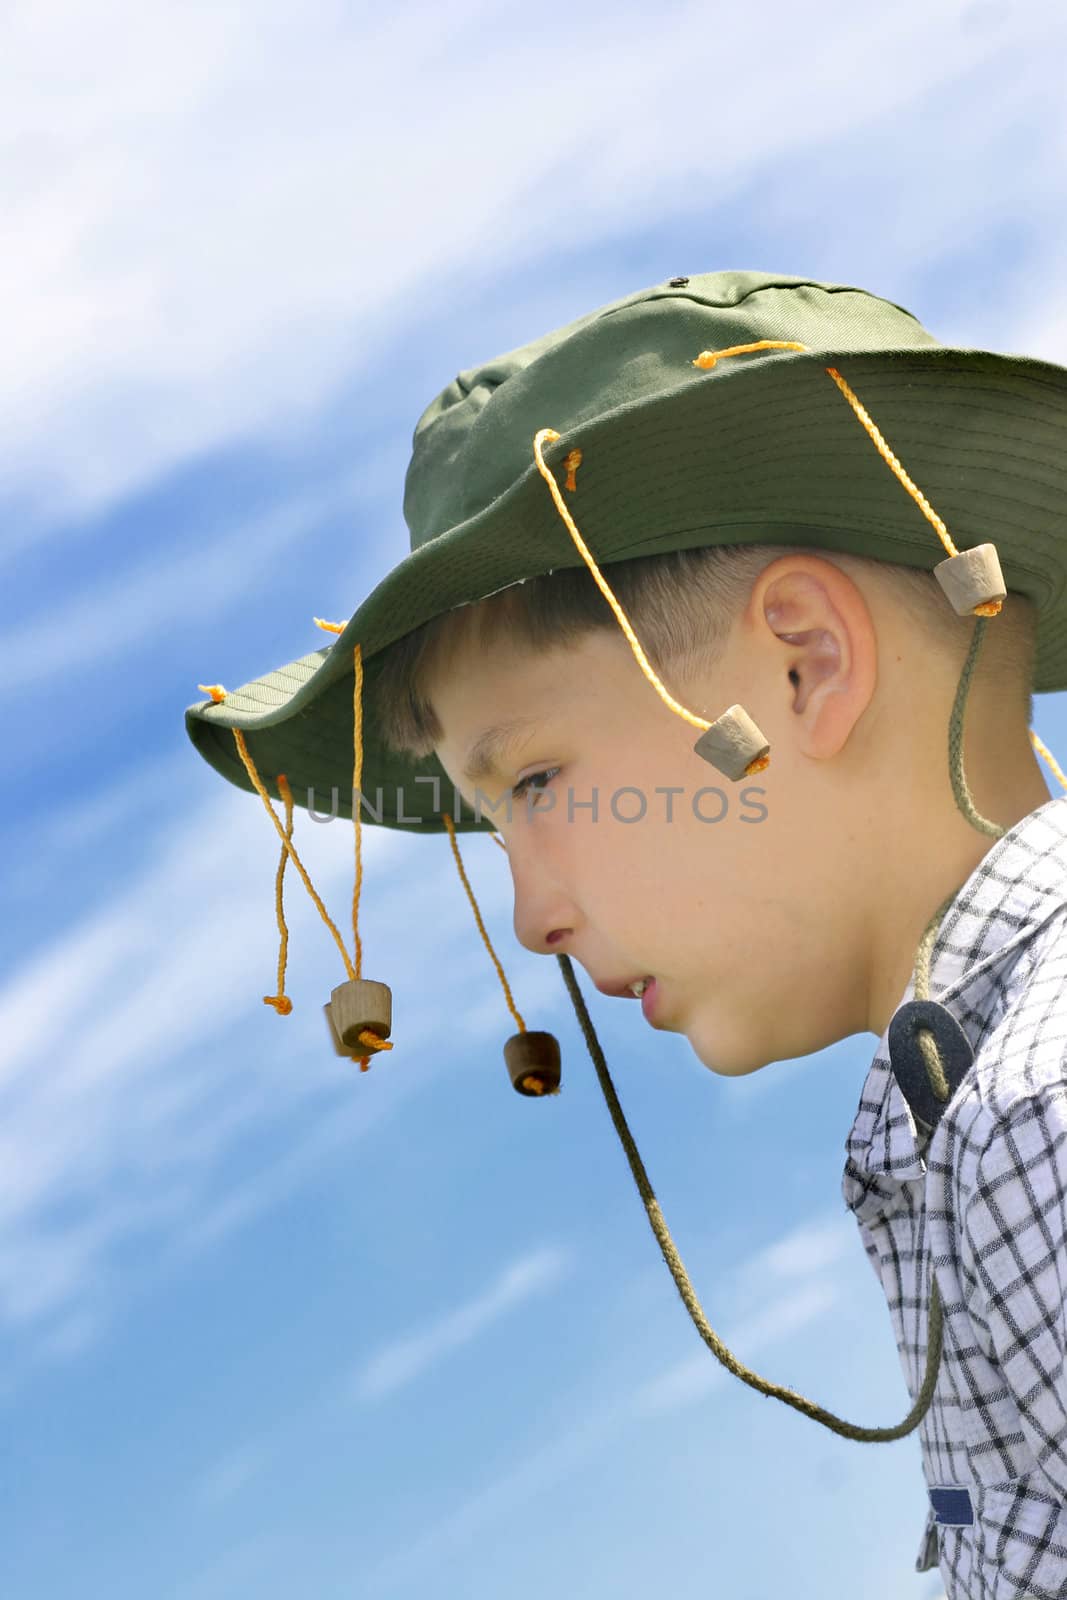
point(689, 481)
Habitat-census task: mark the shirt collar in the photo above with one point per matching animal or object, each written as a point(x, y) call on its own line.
point(1017, 886)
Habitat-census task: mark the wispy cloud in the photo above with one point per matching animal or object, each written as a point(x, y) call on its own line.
point(784, 1287)
point(782, 1315)
point(227, 1476)
point(698, 1375)
point(810, 1248)
point(407, 1358)
point(190, 258)
point(122, 1097)
point(122, 612)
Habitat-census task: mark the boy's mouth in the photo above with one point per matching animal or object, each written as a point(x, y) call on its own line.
point(623, 988)
point(644, 989)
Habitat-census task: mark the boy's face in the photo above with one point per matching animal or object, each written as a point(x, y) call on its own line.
point(714, 891)
point(778, 914)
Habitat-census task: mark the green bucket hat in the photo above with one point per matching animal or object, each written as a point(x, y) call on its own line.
point(761, 449)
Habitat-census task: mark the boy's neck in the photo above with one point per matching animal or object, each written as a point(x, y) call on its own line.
point(945, 858)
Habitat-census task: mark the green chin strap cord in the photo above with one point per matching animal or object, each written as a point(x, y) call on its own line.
point(939, 1087)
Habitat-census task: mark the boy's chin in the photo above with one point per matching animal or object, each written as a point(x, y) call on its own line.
point(727, 1058)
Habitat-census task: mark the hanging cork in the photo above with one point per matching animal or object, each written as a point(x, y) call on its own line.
point(358, 1005)
point(757, 761)
point(972, 580)
point(532, 1058)
point(734, 745)
point(359, 1012)
point(533, 1062)
point(338, 1047)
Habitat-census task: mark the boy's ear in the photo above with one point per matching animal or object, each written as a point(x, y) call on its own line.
point(827, 654)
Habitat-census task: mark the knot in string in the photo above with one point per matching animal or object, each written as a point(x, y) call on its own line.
point(372, 1044)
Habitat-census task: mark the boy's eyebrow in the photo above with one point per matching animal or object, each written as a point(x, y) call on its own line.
point(493, 743)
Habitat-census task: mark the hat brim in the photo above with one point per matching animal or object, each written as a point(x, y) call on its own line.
point(756, 452)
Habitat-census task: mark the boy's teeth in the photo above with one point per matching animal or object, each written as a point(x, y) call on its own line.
point(639, 987)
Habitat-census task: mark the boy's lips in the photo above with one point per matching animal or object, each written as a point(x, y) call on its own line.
point(619, 988)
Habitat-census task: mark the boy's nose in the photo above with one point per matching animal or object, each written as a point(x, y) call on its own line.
point(545, 933)
point(545, 917)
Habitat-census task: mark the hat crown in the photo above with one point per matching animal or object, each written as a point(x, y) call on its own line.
point(473, 441)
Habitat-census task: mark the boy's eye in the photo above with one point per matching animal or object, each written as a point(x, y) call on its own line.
point(533, 782)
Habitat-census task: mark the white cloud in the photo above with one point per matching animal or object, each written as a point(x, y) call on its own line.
point(127, 608)
point(215, 216)
point(782, 1317)
point(783, 1287)
point(809, 1248)
point(230, 1473)
point(122, 1096)
point(406, 1359)
point(698, 1375)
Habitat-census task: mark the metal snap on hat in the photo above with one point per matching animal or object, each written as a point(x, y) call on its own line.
point(760, 448)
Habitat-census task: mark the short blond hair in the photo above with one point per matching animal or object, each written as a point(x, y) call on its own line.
point(682, 605)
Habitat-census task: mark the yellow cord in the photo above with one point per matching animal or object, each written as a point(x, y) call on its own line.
point(546, 436)
point(708, 358)
point(1043, 750)
point(289, 846)
point(988, 608)
point(481, 925)
point(891, 461)
point(280, 1001)
point(357, 793)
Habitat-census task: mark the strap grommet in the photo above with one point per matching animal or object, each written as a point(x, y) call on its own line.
point(909, 1065)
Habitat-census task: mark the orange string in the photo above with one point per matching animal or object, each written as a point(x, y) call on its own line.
point(1043, 750)
point(289, 846)
point(357, 789)
point(371, 1042)
point(546, 436)
point(481, 925)
point(987, 608)
point(708, 358)
point(280, 1001)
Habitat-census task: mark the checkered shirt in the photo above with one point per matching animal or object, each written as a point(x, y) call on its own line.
point(983, 1202)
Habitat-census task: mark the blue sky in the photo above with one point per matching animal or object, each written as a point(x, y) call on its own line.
point(270, 1328)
